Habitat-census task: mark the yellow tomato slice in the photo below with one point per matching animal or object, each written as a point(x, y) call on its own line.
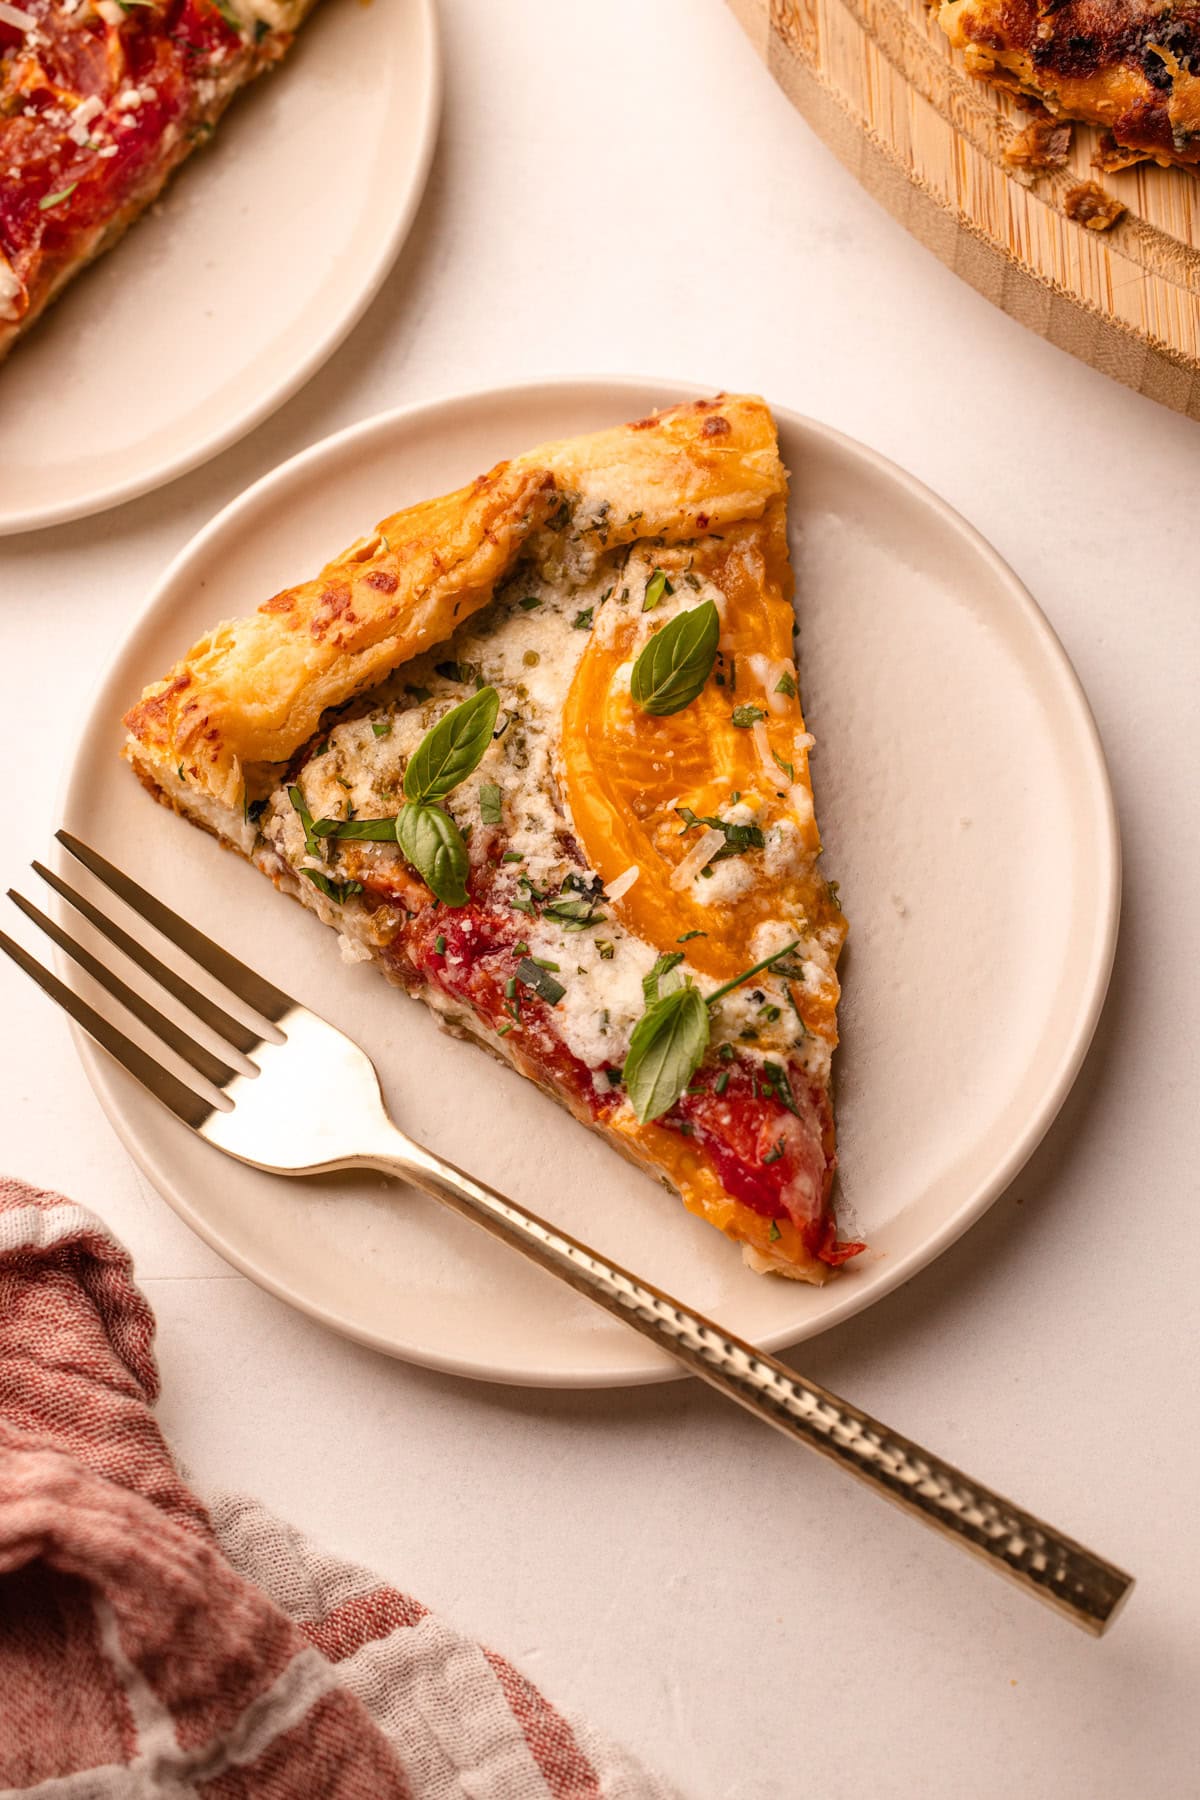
point(628, 773)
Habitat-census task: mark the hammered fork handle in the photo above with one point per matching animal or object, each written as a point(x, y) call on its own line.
point(1083, 1587)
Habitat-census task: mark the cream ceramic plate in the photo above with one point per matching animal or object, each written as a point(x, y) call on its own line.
point(261, 255)
point(967, 815)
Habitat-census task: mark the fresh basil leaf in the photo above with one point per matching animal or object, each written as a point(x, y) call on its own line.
point(489, 803)
point(746, 716)
point(431, 841)
point(540, 980)
point(674, 666)
point(668, 960)
point(339, 891)
point(453, 749)
point(666, 1049)
point(656, 587)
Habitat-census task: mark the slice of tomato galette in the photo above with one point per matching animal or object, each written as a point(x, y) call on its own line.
point(536, 749)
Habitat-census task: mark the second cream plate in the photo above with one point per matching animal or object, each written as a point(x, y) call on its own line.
point(261, 254)
point(966, 813)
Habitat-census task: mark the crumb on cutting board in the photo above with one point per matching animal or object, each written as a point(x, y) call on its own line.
point(1089, 205)
point(1042, 144)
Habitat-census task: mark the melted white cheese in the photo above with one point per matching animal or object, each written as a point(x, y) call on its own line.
point(530, 654)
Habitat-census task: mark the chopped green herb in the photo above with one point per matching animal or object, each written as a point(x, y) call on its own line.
point(339, 891)
point(607, 950)
point(230, 17)
point(520, 904)
point(531, 972)
point(543, 962)
point(372, 831)
point(449, 671)
point(179, 771)
point(583, 619)
point(778, 1078)
point(489, 803)
point(420, 694)
point(673, 667)
point(311, 844)
point(775, 1152)
point(787, 767)
point(529, 602)
point(774, 1233)
point(49, 200)
point(521, 949)
point(835, 899)
point(746, 716)
point(573, 914)
point(614, 1077)
point(786, 685)
point(381, 727)
point(738, 838)
point(690, 934)
point(510, 988)
point(722, 1082)
point(726, 1053)
point(513, 856)
point(439, 944)
point(768, 1014)
point(503, 1030)
point(766, 963)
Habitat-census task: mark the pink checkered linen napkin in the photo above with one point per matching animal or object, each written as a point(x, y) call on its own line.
point(150, 1645)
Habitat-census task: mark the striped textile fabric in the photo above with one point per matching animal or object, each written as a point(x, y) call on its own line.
point(152, 1644)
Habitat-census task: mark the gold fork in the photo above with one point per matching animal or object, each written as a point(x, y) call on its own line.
point(313, 1103)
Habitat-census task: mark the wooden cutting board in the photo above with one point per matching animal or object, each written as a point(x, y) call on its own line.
point(877, 80)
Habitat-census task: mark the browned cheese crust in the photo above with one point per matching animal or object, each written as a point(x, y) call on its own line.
point(1130, 67)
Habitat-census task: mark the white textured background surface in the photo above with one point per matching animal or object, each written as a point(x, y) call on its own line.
point(622, 187)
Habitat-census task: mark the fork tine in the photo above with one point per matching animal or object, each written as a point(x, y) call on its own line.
point(202, 1060)
point(181, 1100)
point(267, 1000)
point(215, 1017)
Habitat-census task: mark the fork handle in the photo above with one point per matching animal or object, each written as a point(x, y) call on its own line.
point(1086, 1589)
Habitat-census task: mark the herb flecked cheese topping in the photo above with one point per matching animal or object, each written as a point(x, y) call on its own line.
point(527, 645)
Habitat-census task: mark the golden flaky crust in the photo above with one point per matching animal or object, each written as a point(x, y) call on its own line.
point(1131, 67)
point(253, 690)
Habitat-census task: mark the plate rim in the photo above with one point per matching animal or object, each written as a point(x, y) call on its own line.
point(133, 487)
point(887, 1277)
